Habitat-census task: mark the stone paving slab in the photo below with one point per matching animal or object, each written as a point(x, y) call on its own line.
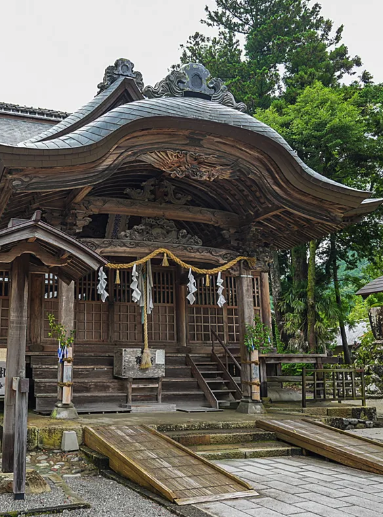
point(302, 487)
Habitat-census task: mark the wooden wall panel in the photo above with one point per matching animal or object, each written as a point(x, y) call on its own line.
point(4, 303)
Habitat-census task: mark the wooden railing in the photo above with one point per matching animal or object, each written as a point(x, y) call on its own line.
point(226, 350)
point(202, 383)
point(340, 384)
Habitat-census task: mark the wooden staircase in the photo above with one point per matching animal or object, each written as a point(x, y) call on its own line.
point(219, 387)
point(97, 390)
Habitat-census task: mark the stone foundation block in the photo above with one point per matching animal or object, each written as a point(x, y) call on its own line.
point(69, 441)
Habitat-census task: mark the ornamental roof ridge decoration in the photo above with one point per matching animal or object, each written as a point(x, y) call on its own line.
point(122, 68)
point(194, 80)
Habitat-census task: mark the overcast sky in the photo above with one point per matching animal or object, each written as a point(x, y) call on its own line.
point(53, 54)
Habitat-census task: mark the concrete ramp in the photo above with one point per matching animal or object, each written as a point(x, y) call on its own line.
point(164, 466)
point(340, 446)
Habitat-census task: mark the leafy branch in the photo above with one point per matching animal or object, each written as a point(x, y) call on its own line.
point(258, 336)
point(59, 332)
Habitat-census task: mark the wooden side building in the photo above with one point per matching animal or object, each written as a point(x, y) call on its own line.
point(180, 165)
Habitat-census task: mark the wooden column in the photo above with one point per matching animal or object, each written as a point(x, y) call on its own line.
point(17, 337)
point(265, 300)
point(36, 311)
point(21, 389)
point(274, 369)
point(181, 292)
point(64, 407)
point(249, 372)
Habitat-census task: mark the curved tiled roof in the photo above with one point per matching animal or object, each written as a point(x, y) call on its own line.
point(182, 107)
point(80, 114)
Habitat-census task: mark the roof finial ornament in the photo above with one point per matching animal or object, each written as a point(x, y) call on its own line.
point(193, 80)
point(122, 68)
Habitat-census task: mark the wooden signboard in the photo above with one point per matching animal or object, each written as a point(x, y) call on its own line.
point(127, 364)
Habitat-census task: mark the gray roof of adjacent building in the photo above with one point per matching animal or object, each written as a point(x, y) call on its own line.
point(376, 286)
point(19, 123)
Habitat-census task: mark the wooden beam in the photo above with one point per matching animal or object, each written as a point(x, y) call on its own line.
point(33, 248)
point(16, 345)
point(99, 205)
point(77, 195)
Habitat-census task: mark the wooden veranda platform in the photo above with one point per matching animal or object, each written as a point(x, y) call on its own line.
point(340, 446)
point(164, 466)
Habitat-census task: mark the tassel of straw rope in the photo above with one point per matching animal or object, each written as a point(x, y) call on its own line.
point(146, 356)
point(225, 267)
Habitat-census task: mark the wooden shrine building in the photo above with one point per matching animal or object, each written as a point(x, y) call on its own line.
point(180, 166)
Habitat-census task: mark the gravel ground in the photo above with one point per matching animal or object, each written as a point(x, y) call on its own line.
point(110, 499)
point(55, 497)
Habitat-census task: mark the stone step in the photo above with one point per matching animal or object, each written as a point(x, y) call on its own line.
point(206, 425)
point(221, 436)
point(246, 450)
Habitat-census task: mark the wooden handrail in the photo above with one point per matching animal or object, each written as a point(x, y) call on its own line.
point(214, 334)
point(339, 386)
point(211, 398)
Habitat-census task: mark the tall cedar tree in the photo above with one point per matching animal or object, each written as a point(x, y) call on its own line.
point(287, 44)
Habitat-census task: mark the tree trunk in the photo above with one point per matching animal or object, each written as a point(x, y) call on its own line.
point(311, 313)
point(299, 264)
point(333, 255)
point(276, 290)
point(299, 274)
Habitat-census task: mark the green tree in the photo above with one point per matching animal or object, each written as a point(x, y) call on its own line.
point(330, 131)
point(288, 35)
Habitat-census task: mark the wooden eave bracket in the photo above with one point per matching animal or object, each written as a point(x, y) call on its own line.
point(33, 248)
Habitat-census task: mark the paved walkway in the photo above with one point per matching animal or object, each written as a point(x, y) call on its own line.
point(302, 487)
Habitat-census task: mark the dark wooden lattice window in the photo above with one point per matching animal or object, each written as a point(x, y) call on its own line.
point(4, 303)
point(91, 318)
point(51, 303)
point(162, 321)
point(205, 315)
point(127, 314)
point(231, 309)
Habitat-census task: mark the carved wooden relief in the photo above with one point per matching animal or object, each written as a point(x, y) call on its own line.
point(181, 164)
point(159, 230)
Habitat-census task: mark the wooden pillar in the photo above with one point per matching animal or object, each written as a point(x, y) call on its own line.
point(36, 311)
point(249, 371)
point(181, 292)
point(64, 407)
point(274, 369)
point(265, 300)
point(17, 337)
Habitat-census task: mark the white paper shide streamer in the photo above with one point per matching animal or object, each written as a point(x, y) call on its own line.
point(221, 299)
point(192, 288)
point(136, 294)
point(102, 284)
